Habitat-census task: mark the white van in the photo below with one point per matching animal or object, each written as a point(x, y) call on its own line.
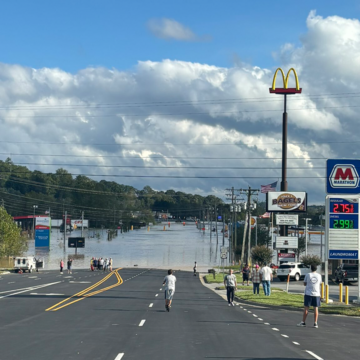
point(296, 271)
point(25, 263)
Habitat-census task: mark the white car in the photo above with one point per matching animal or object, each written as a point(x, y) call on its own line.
point(296, 271)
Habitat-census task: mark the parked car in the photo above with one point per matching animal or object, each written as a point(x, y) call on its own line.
point(296, 271)
point(347, 273)
point(273, 266)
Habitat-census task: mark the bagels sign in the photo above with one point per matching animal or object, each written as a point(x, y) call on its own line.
point(284, 201)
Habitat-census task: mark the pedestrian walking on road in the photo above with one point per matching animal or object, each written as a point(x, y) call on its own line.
point(69, 265)
point(195, 268)
point(61, 266)
point(169, 282)
point(246, 273)
point(230, 284)
point(255, 277)
point(312, 295)
point(266, 277)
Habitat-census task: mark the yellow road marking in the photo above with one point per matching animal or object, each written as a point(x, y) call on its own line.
point(85, 293)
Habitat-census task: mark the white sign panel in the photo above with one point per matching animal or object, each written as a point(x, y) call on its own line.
point(45, 221)
point(282, 201)
point(78, 223)
point(287, 219)
point(286, 242)
point(224, 249)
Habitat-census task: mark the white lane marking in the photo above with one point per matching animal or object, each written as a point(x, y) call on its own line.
point(284, 335)
point(260, 319)
point(241, 307)
point(266, 324)
point(32, 277)
point(119, 356)
point(296, 343)
point(80, 282)
point(51, 294)
point(249, 312)
point(151, 305)
point(275, 329)
point(314, 355)
point(156, 294)
point(142, 322)
point(255, 315)
point(29, 289)
point(160, 289)
point(11, 282)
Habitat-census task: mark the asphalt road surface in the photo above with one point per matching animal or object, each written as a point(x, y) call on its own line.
point(121, 315)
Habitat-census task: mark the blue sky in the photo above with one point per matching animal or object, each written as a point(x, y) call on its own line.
point(73, 35)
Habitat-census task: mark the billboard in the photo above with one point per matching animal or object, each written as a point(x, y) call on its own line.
point(286, 242)
point(286, 201)
point(342, 176)
point(42, 231)
point(292, 220)
point(78, 223)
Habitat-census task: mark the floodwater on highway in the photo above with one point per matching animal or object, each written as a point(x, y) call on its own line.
point(177, 246)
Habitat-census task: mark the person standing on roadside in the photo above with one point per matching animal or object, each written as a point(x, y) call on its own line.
point(195, 268)
point(61, 266)
point(110, 264)
point(312, 295)
point(230, 284)
point(69, 265)
point(266, 277)
point(255, 277)
point(246, 273)
point(169, 282)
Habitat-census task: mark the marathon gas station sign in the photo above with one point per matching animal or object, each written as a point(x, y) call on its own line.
point(342, 209)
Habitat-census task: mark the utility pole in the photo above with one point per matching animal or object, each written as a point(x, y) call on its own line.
point(306, 234)
point(231, 235)
point(65, 226)
point(249, 193)
point(82, 223)
point(216, 224)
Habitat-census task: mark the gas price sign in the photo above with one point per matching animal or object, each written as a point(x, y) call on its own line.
point(342, 230)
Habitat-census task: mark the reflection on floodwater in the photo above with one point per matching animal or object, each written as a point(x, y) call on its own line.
point(176, 247)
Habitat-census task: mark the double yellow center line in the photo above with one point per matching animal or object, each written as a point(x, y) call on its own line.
point(85, 293)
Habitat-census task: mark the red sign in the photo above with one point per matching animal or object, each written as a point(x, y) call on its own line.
point(286, 256)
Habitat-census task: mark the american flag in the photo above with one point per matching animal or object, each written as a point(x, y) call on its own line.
point(268, 188)
point(265, 216)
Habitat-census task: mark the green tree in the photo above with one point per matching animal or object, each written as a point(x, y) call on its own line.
point(261, 254)
point(309, 260)
point(11, 241)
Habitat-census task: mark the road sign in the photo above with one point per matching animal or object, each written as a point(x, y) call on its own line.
point(76, 242)
point(342, 176)
point(287, 219)
point(224, 255)
point(286, 242)
point(224, 249)
point(342, 227)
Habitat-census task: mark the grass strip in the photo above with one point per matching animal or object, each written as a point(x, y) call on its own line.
point(219, 278)
point(279, 297)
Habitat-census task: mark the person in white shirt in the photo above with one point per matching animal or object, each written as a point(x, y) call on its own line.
point(266, 277)
point(312, 295)
point(169, 282)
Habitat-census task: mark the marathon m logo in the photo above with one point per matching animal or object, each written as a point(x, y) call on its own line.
point(285, 89)
point(344, 175)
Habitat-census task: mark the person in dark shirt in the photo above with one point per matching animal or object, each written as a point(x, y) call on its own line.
point(246, 272)
point(69, 265)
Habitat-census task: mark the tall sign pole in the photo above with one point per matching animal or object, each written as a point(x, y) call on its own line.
point(285, 91)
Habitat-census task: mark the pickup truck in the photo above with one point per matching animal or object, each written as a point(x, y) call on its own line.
point(346, 273)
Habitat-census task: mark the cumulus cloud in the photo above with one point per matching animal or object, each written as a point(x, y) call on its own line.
point(174, 117)
point(170, 29)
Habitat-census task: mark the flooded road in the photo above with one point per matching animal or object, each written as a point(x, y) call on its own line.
point(177, 247)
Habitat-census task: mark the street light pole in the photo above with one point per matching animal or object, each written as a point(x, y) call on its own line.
point(34, 206)
point(306, 234)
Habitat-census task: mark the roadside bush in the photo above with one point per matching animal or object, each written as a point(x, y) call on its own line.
point(309, 260)
point(261, 254)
